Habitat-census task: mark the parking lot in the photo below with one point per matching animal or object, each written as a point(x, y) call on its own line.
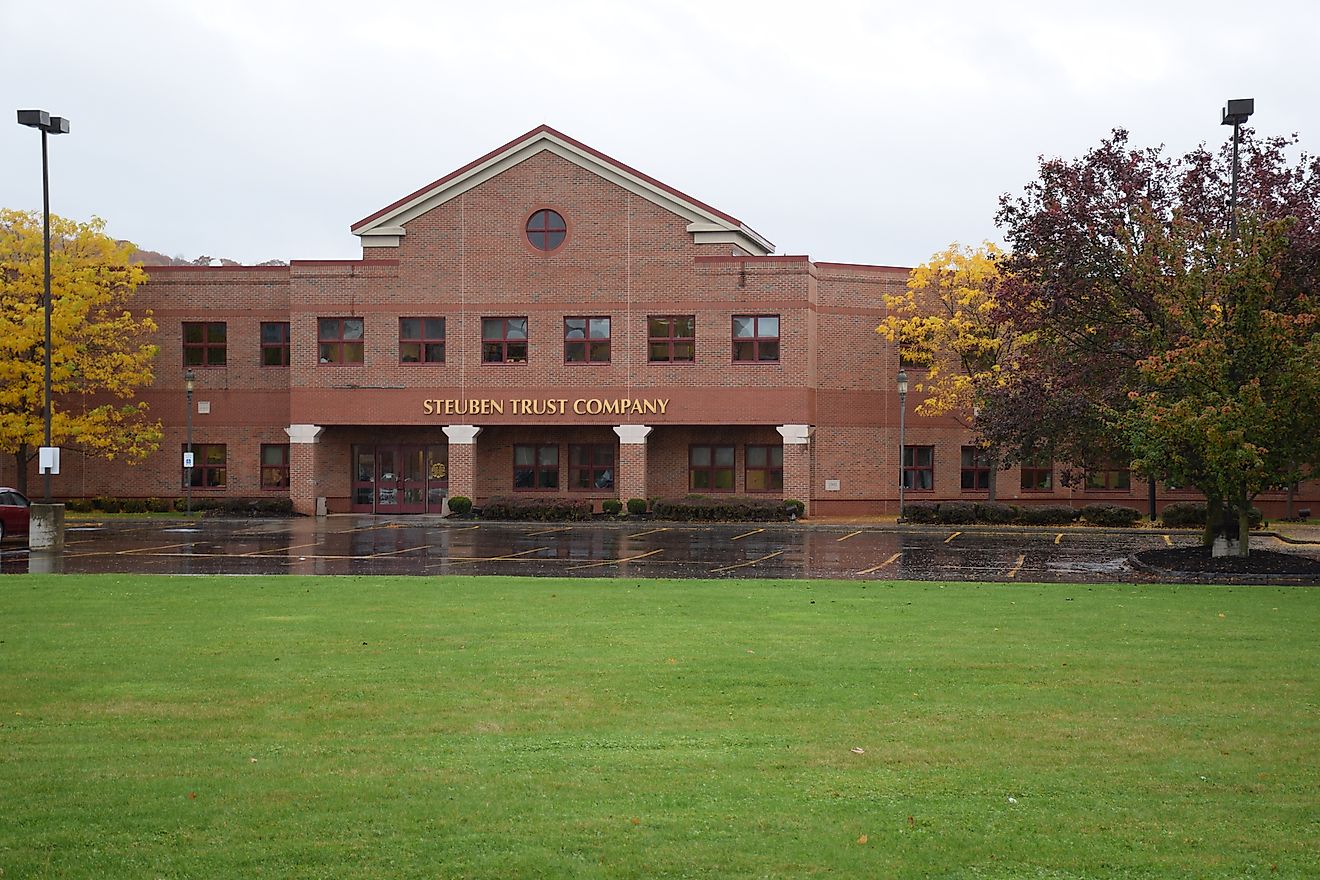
point(360, 545)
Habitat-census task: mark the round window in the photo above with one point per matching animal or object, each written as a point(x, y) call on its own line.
point(546, 230)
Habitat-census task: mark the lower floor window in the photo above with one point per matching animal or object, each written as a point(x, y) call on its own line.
point(590, 466)
point(1108, 477)
point(535, 467)
point(975, 468)
point(765, 468)
point(274, 465)
point(208, 470)
point(710, 468)
point(1038, 474)
point(919, 468)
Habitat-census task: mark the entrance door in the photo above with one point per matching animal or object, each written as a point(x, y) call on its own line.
point(399, 478)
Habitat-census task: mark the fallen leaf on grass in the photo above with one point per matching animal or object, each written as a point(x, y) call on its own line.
point(636, 821)
point(861, 841)
point(858, 750)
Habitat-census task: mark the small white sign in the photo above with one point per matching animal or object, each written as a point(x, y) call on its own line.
point(187, 459)
point(48, 460)
point(831, 485)
point(203, 407)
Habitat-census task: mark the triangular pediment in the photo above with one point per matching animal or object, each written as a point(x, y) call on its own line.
point(387, 226)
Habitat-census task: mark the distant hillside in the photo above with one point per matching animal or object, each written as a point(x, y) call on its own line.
point(155, 258)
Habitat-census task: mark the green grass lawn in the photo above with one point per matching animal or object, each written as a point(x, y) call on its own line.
point(496, 727)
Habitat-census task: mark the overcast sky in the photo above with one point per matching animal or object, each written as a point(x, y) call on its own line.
point(871, 132)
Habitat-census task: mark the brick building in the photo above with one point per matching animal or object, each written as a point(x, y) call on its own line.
point(546, 319)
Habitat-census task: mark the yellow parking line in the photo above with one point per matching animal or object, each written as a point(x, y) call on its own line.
point(1017, 566)
point(849, 535)
point(550, 531)
point(951, 537)
point(1167, 540)
point(889, 561)
point(747, 535)
point(650, 532)
point(277, 549)
point(614, 561)
point(149, 549)
point(465, 528)
point(497, 558)
point(1058, 538)
point(748, 562)
point(394, 552)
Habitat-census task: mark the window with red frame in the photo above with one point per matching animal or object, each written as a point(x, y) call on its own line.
point(919, 468)
point(1107, 477)
point(671, 338)
point(711, 469)
point(204, 343)
point(1038, 473)
point(274, 465)
point(208, 470)
point(340, 340)
point(274, 343)
point(546, 230)
point(975, 469)
point(504, 340)
point(590, 466)
point(755, 338)
point(764, 468)
point(587, 340)
point(535, 468)
point(421, 340)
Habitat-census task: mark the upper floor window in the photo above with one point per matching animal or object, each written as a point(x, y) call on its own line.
point(755, 338)
point(975, 469)
point(340, 340)
point(546, 230)
point(587, 340)
point(421, 340)
point(274, 343)
point(504, 340)
point(671, 338)
point(204, 343)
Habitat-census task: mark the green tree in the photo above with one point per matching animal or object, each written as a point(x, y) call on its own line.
point(100, 354)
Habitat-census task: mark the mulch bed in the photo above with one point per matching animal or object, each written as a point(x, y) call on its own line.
point(1260, 564)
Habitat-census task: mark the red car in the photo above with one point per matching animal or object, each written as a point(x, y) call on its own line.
point(15, 511)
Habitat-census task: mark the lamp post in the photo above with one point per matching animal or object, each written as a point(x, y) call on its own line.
point(902, 415)
point(1236, 112)
point(189, 380)
point(47, 124)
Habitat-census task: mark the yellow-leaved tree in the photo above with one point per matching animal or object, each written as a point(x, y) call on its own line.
point(101, 354)
point(948, 322)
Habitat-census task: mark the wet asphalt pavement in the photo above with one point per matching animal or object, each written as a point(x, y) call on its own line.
point(362, 545)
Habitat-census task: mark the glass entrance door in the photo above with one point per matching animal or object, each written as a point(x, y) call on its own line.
point(402, 478)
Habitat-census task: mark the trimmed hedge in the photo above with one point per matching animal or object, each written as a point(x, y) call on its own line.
point(537, 509)
point(703, 508)
point(1047, 515)
point(460, 505)
point(637, 506)
point(78, 505)
point(921, 512)
point(956, 513)
point(995, 512)
point(238, 506)
point(794, 507)
point(1192, 514)
point(611, 506)
point(1110, 515)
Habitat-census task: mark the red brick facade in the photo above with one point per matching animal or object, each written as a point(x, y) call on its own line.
point(458, 250)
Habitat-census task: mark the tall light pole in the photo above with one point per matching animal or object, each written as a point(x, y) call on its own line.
point(902, 442)
point(189, 381)
point(1236, 112)
point(47, 124)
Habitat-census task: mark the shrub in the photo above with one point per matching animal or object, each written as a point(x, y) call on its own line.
point(107, 504)
point(1110, 515)
point(995, 512)
point(78, 505)
point(538, 509)
point(956, 512)
point(460, 505)
point(637, 506)
point(134, 505)
point(795, 508)
point(921, 512)
point(702, 508)
point(158, 505)
point(1047, 515)
point(1184, 513)
point(611, 506)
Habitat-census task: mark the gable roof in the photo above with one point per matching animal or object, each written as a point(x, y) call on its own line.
point(706, 224)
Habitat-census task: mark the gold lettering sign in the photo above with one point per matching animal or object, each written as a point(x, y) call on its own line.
point(525, 406)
